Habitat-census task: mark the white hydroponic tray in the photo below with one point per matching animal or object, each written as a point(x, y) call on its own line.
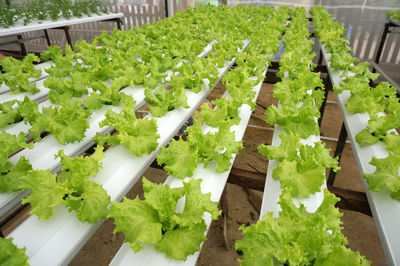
point(385, 210)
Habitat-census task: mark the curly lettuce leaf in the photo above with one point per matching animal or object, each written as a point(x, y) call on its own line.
point(42, 182)
point(341, 255)
point(18, 73)
point(196, 203)
point(89, 202)
point(385, 175)
point(11, 254)
point(183, 241)
point(157, 221)
point(297, 237)
point(227, 110)
point(180, 158)
point(164, 100)
point(71, 187)
point(371, 100)
point(218, 146)
point(9, 144)
point(138, 135)
point(296, 120)
point(57, 120)
point(303, 183)
point(10, 181)
point(288, 148)
point(137, 220)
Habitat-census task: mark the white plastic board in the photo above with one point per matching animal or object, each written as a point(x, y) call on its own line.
point(385, 210)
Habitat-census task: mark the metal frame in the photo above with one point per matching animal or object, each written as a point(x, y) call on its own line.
point(391, 23)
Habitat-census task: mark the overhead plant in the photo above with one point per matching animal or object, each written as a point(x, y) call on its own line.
point(38, 11)
point(395, 14)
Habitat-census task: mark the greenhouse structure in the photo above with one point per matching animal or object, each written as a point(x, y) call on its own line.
point(199, 132)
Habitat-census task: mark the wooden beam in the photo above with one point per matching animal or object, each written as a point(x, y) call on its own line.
point(351, 200)
point(247, 179)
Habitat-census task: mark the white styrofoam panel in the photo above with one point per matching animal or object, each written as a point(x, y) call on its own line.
point(385, 210)
point(61, 22)
point(213, 183)
point(58, 239)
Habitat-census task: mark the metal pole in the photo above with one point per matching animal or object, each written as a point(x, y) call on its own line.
point(382, 43)
point(166, 9)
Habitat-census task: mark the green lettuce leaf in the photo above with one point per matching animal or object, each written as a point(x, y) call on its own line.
point(392, 143)
point(164, 100)
point(303, 183)
point(371, 100)
point(18, 73)
point(9, 144)
point(42, 182)
point(11, 254)
point(227, 110)
point(156, 219)
point(10, 181)
point(196, 204)
point(137, 220)
point(297, 237)
point(138, 135)
point(57, 120)
point(71, 188)
point(385, 175)
point(296, 120)
point(342, 256)
point(180, 158)
point(183, 241)
point(287, 149)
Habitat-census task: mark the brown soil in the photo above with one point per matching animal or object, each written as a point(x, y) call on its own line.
point(244, 204)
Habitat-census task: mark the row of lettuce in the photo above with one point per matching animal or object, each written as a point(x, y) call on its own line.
point(380, 102)
point(136, 58)
point(297, 236)
point(186, 230)
point(146, 57)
